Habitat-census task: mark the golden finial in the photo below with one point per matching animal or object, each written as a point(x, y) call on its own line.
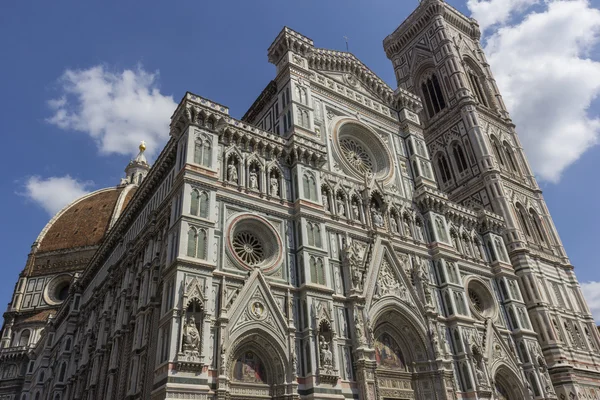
point(142, 146)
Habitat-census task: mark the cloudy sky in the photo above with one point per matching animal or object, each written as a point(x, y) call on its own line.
point(83, 83)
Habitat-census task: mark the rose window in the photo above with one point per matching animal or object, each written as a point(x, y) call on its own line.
point(481, 300)
point(252, 242)
point(475, 300)
point(249, 248)
point(361, 150)
point(356, 155)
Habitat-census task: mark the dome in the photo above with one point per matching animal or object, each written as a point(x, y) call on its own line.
point(85, 221)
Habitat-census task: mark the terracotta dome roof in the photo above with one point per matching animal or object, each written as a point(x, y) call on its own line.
point(86, 220)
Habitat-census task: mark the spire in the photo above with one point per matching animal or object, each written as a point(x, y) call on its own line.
point(137, 169)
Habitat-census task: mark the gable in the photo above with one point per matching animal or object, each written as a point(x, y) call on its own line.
point(256, 308)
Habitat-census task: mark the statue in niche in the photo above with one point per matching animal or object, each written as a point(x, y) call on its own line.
point(223, 359)
point(434, 338)
point(360, 337)
point(546, 383)
point(232, 174)
point(253, 179)
point(406, 227)
point(418, 232)
point(341, 208)
point(423, 278)
point(274, 185)
point(394, 224)
point(325, 355)
point(355, 212)
point(445, 340)
point(191, 338)
point(325, 201)
point(377, 217)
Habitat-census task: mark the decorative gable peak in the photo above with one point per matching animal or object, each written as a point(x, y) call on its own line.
point(256, 307)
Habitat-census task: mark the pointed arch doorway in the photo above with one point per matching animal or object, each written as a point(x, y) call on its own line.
point(506, 385)
point(256, 370)
point(399, 348)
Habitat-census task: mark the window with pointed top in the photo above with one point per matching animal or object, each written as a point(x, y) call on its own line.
point(202, 152)
point(459, 157)
point(433, 96)
point(444, 169)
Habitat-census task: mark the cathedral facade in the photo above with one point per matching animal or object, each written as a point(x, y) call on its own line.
point(342, 240)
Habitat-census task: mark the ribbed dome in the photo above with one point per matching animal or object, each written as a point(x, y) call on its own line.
point(86, 220)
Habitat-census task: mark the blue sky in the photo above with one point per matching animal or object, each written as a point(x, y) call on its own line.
point(83, 82)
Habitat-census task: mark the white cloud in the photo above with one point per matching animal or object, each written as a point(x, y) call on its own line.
point(118, 110)
point(548, 80)
point(492, 12)
point(53, 193)
point(591, 292)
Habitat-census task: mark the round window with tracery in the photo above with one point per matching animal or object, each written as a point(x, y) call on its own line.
point(252, 242)
point(249, 248)
point(481, 299)
point(475, 300)
point(356, 155)
point(362, 151)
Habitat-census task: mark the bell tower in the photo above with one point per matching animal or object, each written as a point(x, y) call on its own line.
point(479, 162)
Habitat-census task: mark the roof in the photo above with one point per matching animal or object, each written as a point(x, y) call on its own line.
point(85, 221)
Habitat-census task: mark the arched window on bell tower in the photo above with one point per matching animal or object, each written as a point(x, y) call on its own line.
point(459, 157)
point(443, 168)
point(433, 95)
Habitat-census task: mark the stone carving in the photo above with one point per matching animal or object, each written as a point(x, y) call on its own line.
point(232, 174)
point(406, 227)
point(358, 328)
point(325, 200)
point(325, 355)
point(388, 283)
point(394, 224)
point(341, 207)
point(353, 257)
point(253, 179)
point(191, 339)
point(355, 212)
point(274, 187)
point(377, 217)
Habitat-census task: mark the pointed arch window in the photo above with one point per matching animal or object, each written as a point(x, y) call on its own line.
point(63, 371)
point(432, 93)
point(317, 271)
point(523, 220)
point(459, 156)
point(444, 169)
point(510, 157)
point(203, 152)
point(314, 235)
point(195, 202)
point(204, 205)
point(196, 243)
point(497, 152)
point(477, 88)
point(310, 186)
point(537, 225)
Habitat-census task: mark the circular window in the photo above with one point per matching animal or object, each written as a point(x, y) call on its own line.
point(253, 243)
point(249, 248)
point(361, 150)
point(481, 299)
point(57, 289)
point(356, 155)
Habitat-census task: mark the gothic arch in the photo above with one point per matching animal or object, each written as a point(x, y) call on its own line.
point(506, 383)
point(270, 366)
point(394, 314)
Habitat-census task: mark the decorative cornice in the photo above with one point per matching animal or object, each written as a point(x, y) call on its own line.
point(416, 22)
